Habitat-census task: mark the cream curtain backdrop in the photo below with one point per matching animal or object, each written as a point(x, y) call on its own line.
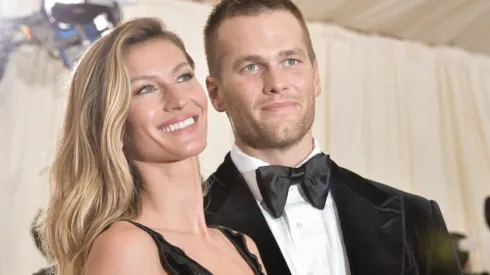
point(411, 116)
point(415, 118)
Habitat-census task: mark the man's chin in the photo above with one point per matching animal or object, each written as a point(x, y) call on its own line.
point(281, 138)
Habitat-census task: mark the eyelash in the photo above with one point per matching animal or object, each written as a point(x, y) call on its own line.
point(294, 60)
point(141, 91)
point(245, 69)
point(187, 76)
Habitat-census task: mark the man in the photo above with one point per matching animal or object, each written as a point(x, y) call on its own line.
point(316, 218)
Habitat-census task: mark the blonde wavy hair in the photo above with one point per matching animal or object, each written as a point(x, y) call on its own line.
point(92, 182)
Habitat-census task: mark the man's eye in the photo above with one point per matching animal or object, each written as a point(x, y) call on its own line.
point(251, 68)
point(291, 62)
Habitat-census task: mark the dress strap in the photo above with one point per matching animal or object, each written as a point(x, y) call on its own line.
point(173, 259)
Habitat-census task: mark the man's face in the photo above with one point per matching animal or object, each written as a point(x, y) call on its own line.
point(267, 84)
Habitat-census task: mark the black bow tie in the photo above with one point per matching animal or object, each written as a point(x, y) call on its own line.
point(313, 177)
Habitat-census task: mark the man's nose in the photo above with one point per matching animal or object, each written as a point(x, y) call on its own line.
point(275, 81)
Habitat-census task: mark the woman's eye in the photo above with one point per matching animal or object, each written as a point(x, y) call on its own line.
point(185, 77)
point(146, 89)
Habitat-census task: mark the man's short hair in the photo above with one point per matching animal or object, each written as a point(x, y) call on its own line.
point(232, 8)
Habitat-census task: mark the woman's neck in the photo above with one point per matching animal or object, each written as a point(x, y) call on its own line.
point(171, 196)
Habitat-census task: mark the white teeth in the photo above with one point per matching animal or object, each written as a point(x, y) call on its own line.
point(179, 125)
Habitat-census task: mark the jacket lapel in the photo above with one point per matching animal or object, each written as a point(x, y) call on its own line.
point(372, 224)
point(231, 204)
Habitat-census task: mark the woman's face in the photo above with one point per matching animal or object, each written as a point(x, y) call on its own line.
point(167, 115)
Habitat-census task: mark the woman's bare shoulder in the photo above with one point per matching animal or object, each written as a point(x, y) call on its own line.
point(124, 249)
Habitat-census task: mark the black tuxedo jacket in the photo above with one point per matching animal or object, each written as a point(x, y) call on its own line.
point(385, 231)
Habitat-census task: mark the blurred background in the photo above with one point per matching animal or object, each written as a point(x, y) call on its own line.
point(405, 101)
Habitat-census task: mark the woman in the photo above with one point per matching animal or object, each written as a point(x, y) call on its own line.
point(127, 194)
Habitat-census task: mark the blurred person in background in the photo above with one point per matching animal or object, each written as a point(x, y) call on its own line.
point(37, 241)
point(464, 246)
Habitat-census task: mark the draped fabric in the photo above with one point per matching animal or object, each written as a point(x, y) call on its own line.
point(414, 117)
point(436, 22)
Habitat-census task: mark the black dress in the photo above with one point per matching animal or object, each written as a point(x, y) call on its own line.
point(175, 261)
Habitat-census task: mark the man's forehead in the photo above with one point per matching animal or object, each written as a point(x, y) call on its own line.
point(247, 39)
point(250, 23)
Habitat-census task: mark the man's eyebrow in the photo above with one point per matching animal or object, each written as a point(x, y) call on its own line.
point(293, 51)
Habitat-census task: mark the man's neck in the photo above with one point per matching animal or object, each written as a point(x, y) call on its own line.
point(290, 156)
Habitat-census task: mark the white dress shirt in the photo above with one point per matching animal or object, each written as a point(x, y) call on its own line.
point(310, 239)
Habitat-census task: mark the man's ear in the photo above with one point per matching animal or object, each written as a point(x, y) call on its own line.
point(215, 93)
point(316, 80)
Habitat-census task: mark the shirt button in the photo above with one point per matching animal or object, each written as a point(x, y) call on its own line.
point(299, 226)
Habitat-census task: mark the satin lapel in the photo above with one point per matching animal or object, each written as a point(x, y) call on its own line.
point(231, 204)
point(372, 225)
